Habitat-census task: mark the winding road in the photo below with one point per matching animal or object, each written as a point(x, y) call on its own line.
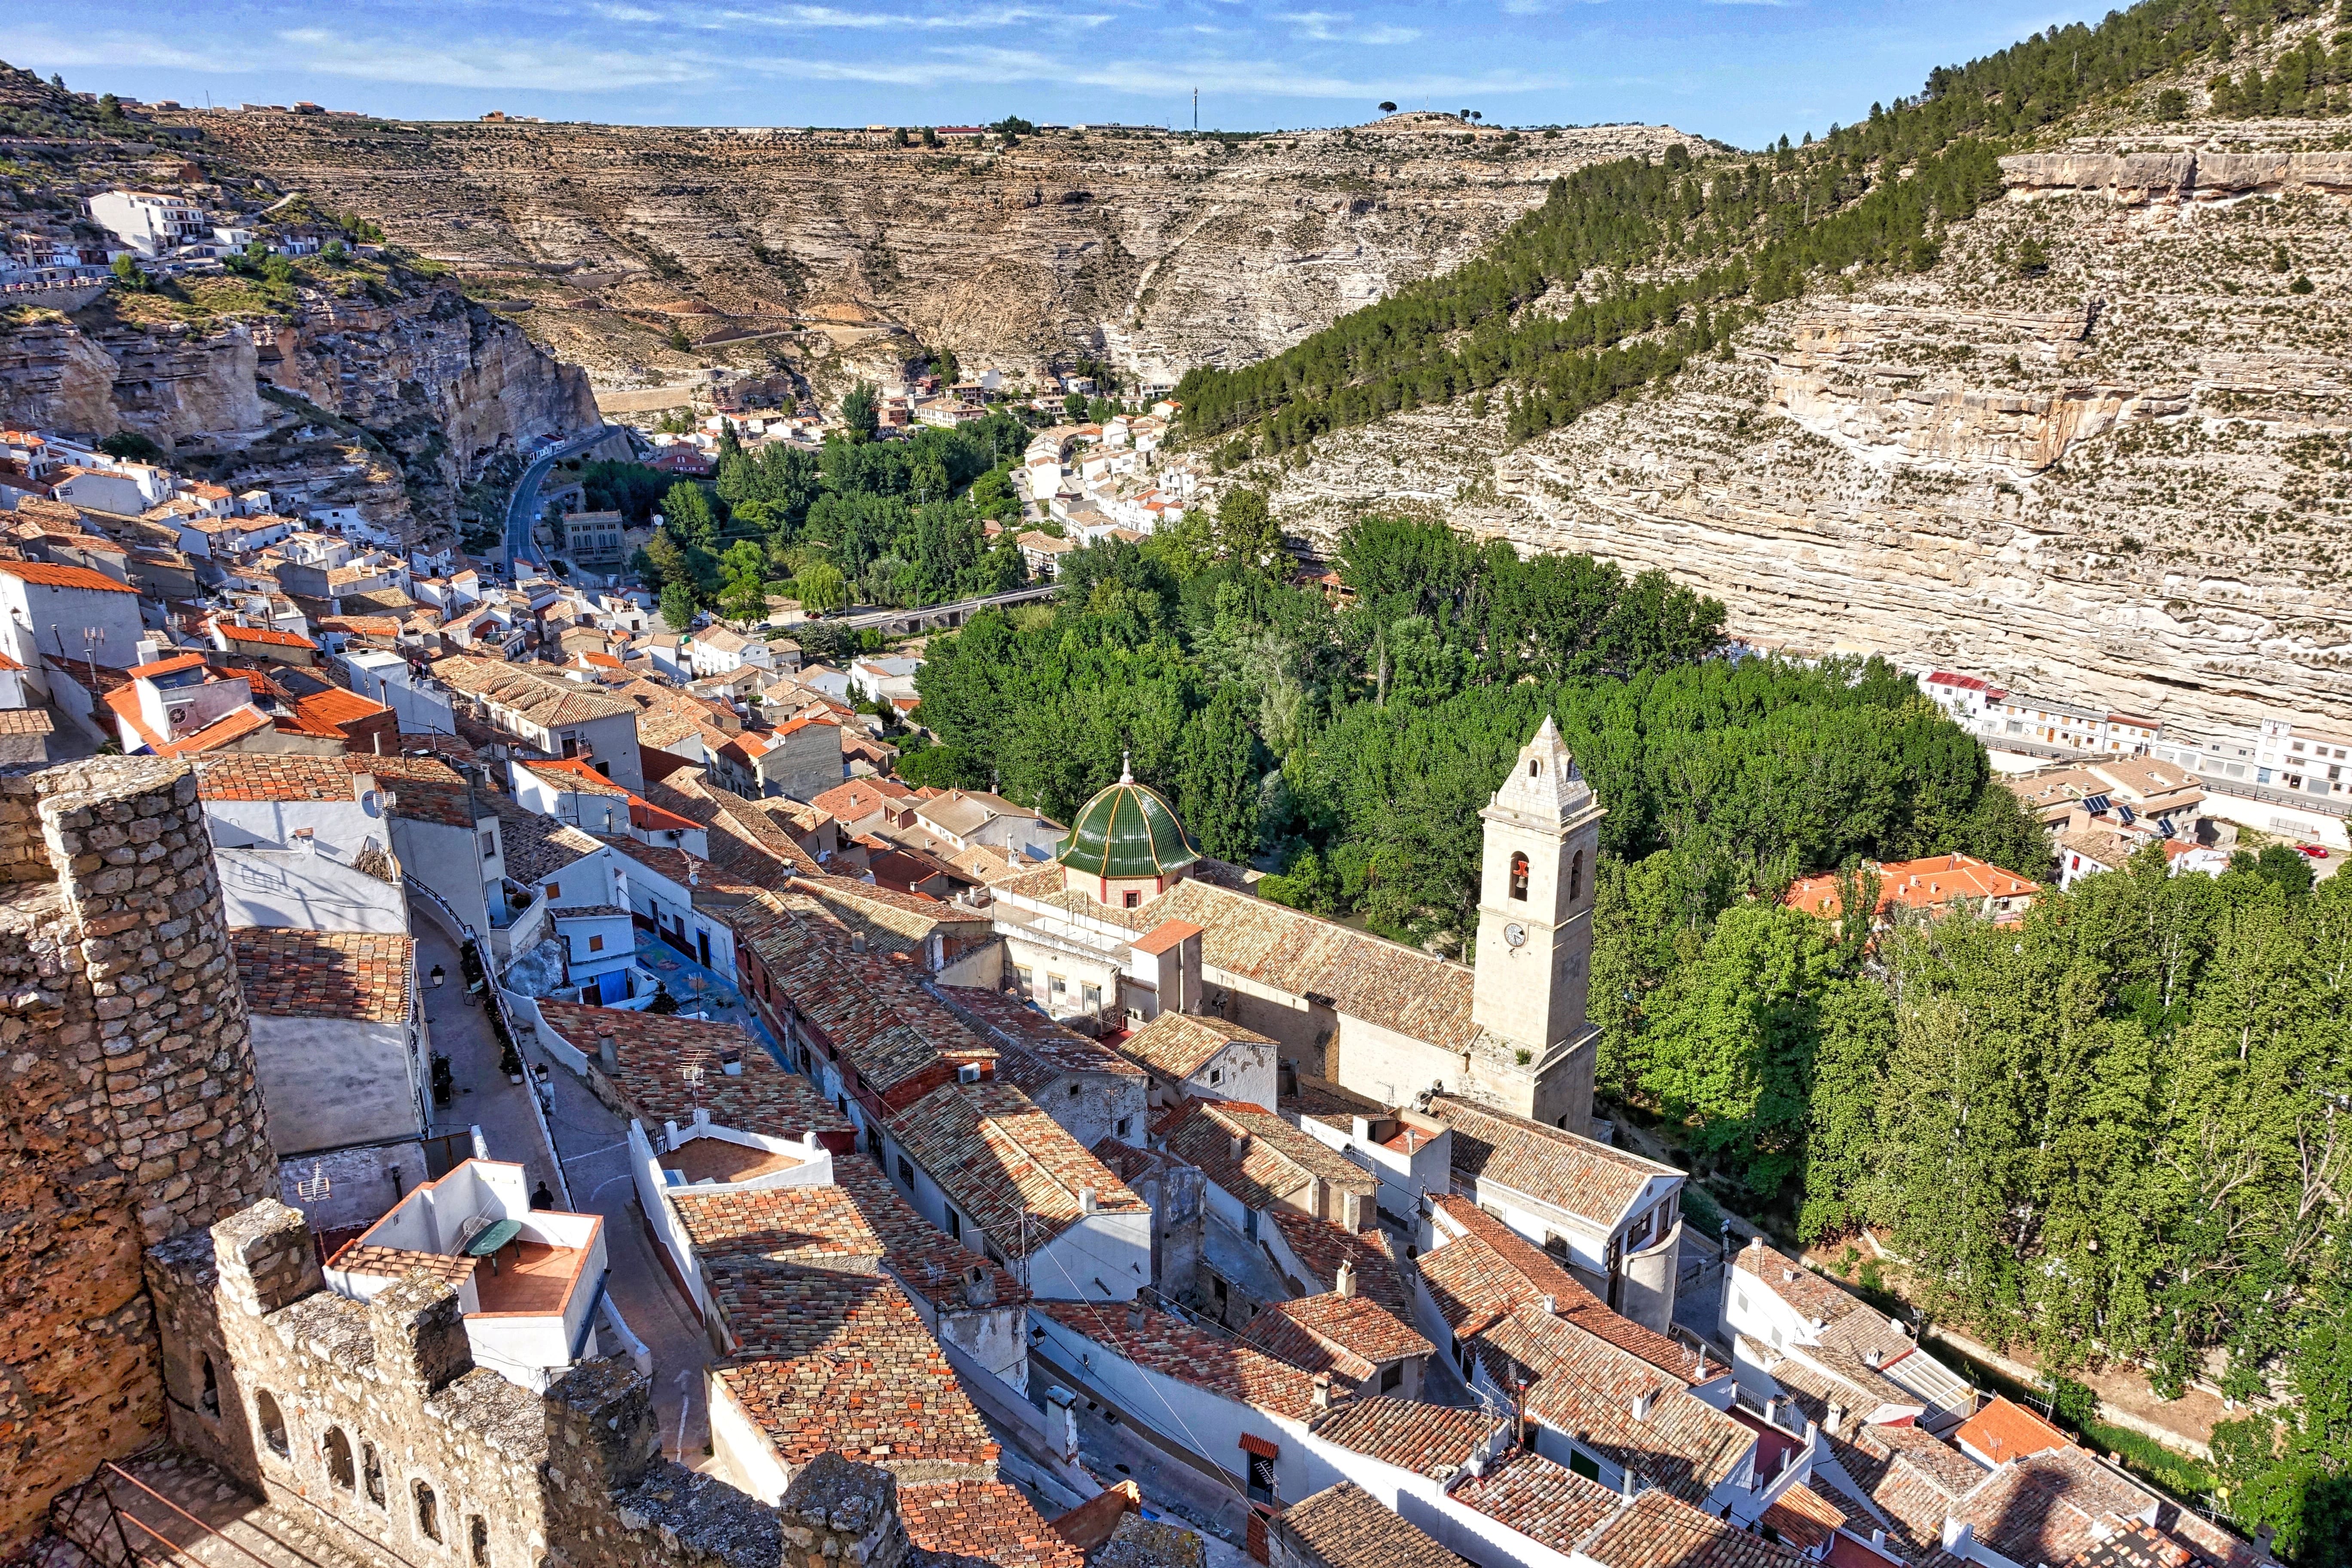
point(522, 506)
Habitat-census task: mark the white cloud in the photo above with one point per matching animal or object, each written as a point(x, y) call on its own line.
point(1338, 27)
point(488, 63)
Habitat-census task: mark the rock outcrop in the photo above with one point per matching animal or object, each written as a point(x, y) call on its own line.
point(436, 389)
point(1158, 252)
point(2125, 475)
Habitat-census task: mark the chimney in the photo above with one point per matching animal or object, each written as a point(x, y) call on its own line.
point(1322, 1391)
point(1134, 1317)
point(1236, 1145)
point(1086, 1200)
point(1871, 1356)
point(1643, 1402)
point(1345, 1283)
point(1363, 1129)
point(857, 941)
point(979, 1288)
point(1551, 1306)
point(608, 1050)
point(1836, 1418)
point(1632, 1484)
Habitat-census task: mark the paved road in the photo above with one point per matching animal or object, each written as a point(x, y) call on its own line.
point(589, 1140)
point(522, 506)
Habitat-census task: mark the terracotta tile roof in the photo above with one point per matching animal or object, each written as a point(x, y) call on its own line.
point(1343, 1526)
point(399, 1263)
point(859, 798)
point(1656, 1531)
point(313, 705)
point(1276, 1159)
point(817, 1227)
point(922, 1257)
point(1545, 1502)
point(293, 973)
point(279, 776)
point(545, 699)
point(1034, 1050)
point(1347, 1336)
point(868, 1005)
point(1577, 1176)
point(1163, 936)
point(709, 887)
point(25, 722)
point(2045, 1507)
point(1489, 1268)
point(1804, 1518)
point(1405, 1432)
point(1178, 1044)
point(265, 636)
point(1588, 1389)
point(52, 576)
point(1323, 1245)
point(1940, 1462)
point(1399, 987)
point(573, 774)
point(165, 665)
point(2002, 1431)
point(1173, 1348)
point(1928, 884)
point(744, 840)
point(835, 1362)
point(986, 1522)
point(1010, 1167)
point(652, 1049)
point(535, 848)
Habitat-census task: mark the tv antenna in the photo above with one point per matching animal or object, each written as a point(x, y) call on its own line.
point(310, 1189)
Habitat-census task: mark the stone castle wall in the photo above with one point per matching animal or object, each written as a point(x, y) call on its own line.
point(130, 1110)
point(373, 1415)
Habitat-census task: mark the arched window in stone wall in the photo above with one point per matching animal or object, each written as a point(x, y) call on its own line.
point(1518, 875)
point(428, 1512)
point(372, 1468)
point(477, 1541)
point(1576, 877)
point(272, 1423)
point(338, 1451)
point(208, 1396)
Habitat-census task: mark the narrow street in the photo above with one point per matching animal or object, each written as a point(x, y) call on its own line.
point(591, 1142)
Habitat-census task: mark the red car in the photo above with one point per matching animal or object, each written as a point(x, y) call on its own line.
point(2317, 851)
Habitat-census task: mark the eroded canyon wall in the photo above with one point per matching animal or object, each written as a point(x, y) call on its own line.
point(2125, 475)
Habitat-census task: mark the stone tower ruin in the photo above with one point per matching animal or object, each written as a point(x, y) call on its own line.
point(129, 1099)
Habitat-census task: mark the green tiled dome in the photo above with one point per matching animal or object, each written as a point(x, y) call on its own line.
point(1127, 831)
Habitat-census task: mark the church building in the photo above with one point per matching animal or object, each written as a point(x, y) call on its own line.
point(1130, 919)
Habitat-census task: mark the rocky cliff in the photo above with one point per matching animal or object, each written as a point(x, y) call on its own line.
point(1158, 252)
point(430, 392)
point(2125, 474)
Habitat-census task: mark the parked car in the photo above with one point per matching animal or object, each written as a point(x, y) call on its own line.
point(2317, 851)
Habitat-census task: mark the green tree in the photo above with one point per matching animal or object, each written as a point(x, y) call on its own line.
point(823, 589)
point(1074, 407)
point(688, 516)
point(1743, 1024)
point(678, 605)
point(677, 341)
point(1218, 763)
point(744, 596)
point(861, 412)
point(1246, 530)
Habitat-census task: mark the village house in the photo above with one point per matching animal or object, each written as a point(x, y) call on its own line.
point(1940, 884)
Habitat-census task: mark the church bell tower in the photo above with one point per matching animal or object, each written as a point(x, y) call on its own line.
point(1535, 925)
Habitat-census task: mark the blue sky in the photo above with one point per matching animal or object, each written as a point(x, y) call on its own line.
point(1744, 70)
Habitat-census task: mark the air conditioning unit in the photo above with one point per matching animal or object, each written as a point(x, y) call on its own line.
point(968, 1073)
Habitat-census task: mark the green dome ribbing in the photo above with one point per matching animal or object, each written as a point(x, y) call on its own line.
point(1125, 831)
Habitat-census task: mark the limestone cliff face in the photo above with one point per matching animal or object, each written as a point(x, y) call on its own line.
point(2125, 476)
point(1158, 252)
point(164, 383)
point(436, 388)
